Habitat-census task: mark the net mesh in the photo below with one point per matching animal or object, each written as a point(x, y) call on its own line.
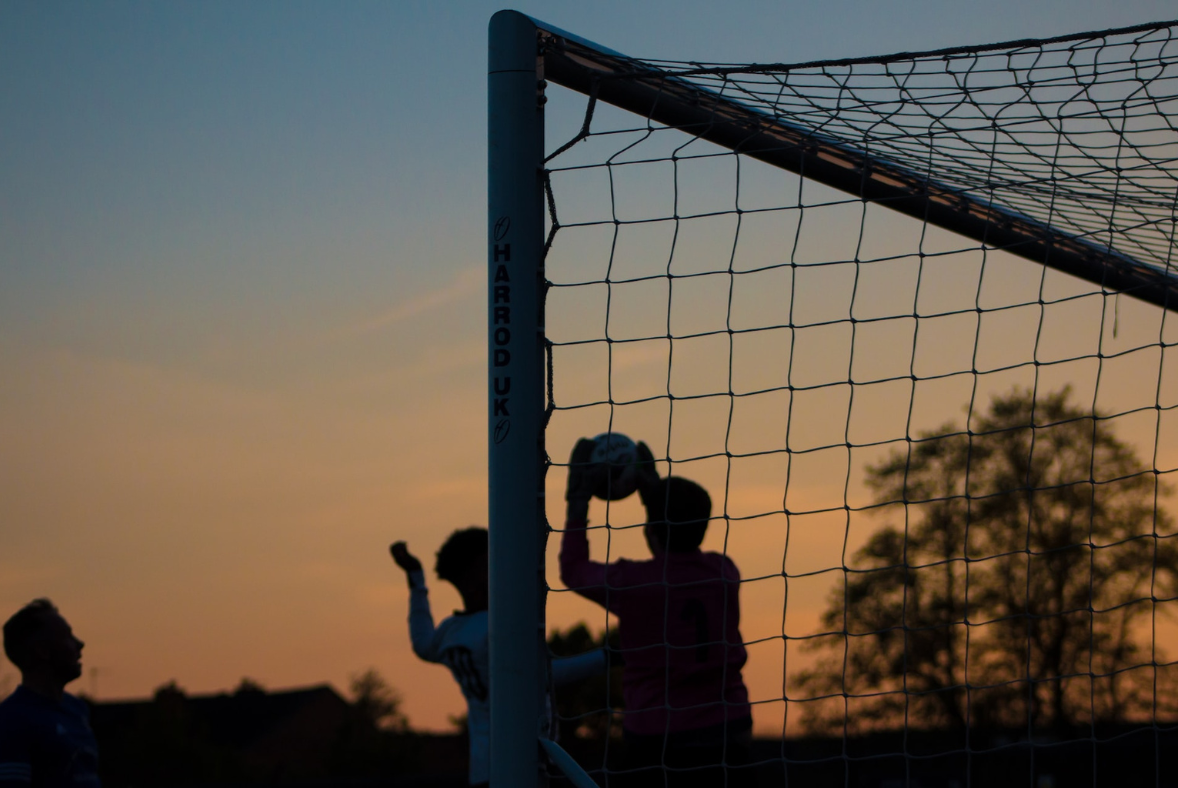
point(941, 469)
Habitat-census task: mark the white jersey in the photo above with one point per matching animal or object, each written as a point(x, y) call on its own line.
point(460, 643)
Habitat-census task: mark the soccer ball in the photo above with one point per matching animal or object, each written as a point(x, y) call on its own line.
point(621, 455)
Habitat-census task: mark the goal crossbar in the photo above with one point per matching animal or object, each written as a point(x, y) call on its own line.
point(671, 100)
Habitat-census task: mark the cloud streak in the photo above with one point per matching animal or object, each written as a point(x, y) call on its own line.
point(465, 285)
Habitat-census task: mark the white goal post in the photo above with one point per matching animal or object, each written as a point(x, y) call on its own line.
point(515, 239)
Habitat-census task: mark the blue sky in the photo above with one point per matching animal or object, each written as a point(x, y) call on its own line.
point(241, 311)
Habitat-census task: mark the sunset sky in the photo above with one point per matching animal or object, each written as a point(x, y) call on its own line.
point(242, 316)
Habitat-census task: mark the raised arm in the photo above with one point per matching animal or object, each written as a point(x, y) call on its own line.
point(421, 621)
point(587, 578)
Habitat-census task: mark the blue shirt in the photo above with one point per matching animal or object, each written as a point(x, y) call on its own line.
point(46, 743)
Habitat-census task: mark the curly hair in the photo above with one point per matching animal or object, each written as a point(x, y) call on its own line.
point(461, 553)
point(22, 627)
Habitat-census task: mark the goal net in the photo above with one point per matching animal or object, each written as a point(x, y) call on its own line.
point(907, 320)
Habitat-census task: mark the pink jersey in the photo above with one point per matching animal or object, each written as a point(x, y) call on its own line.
point(679, 621)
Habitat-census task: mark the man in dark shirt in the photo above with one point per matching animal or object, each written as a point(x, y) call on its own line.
point(45, 736)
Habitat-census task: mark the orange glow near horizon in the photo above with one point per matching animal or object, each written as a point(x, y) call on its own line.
point(200, 529)
point(204, 533)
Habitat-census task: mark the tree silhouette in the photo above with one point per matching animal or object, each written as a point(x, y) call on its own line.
point(377, 702)
point(1016, 589)
point(375, 737)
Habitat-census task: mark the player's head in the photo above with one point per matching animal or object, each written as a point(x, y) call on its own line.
point(463, 558)
point(677, 514)
point(37, 639)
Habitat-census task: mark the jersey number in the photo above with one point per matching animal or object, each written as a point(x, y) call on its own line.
point(461, 664)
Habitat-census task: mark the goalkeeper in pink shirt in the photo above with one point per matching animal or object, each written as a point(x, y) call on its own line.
point(687, 708)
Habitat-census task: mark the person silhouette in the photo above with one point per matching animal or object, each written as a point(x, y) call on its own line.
point(686, 705)
point(45, 735)
point(461, 641)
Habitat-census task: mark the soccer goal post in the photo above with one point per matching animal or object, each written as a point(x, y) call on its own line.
point(908, 320)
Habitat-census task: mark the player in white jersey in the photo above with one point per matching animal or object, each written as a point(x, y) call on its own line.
point(461, 641)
